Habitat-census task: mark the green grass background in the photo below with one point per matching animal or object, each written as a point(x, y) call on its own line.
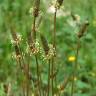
point(66, 39)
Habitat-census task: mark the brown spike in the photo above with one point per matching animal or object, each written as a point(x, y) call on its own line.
point(83, 29)
point(60, 2)
point(17, 51)
point(30, 41)
point(73, 16)
point(13, 33)
point(36, 8)
point(45, 44)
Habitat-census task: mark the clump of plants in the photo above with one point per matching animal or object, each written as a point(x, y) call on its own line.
point(38, 53)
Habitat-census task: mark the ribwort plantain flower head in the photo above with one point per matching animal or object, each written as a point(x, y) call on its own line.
point(35, 48)
point(36, 8)
point(17, 52)
point(58, 4)
point(83, 29)
point(16, 38)
point(51, 52)
point(45, 44)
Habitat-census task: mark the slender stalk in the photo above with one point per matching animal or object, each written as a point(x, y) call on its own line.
point(38, 75)
point(34, 40)
point(25, 68)
point(19, 63)
point(54, 45)
point(54, 32)
point(75, 67)
point(36, 59)
point(34, 31)
point(18, 51)
point(27, 79)
point(28, 75)
point(79, 35)
point(48, 79)
point(52, 72)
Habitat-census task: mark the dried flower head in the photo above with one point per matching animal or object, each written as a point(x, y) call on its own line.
point(36, 8)
point(83, 29)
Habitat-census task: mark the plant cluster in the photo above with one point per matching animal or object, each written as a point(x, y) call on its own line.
point(37, 48)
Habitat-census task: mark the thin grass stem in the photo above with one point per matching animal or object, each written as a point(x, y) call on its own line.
point(75, 67)
point(48, 78)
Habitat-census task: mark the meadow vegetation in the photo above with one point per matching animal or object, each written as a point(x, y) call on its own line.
point(47, 48)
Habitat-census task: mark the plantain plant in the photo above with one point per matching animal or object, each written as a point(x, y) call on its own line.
point(38, 46)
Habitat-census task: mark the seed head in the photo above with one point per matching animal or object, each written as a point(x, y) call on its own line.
point(83, 29)
point(45, 44)
point(75, 17)
point(16, 38)
point(36, 8)
point(58, 3)
point(33, 45)
point(30, 41)
point(52, 51)
point(17, 51)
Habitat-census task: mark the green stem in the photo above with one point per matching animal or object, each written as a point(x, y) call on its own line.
point(54, 32)
point(27, 80)
point(38, 75)
point(75, 68)
point(34, 29)
point(52, 72)
point(48, 79)
point(54, 45)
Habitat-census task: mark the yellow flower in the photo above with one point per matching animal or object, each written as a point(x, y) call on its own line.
point(72, 58)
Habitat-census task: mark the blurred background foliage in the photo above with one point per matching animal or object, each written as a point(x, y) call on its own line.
point(66, 39)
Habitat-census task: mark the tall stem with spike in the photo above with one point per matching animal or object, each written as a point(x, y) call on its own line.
point(75, 66)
